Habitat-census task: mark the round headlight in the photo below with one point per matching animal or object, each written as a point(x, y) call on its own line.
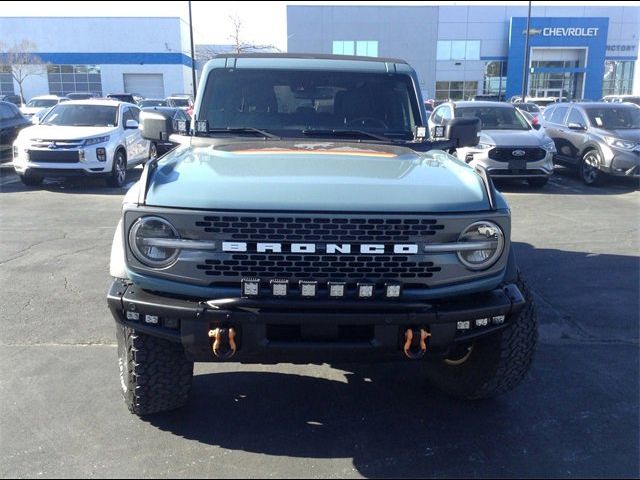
point(146, 241)
point(488, 240)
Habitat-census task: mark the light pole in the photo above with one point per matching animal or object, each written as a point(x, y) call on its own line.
point(525, 69)
point(193, 56)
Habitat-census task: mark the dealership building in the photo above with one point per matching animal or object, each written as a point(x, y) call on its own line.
point(103, 55)
point(458, 52)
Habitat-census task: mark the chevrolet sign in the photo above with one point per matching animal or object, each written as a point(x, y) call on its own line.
point(570, 32)
point(329, 248)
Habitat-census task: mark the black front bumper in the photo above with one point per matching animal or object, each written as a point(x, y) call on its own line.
point(272, 331)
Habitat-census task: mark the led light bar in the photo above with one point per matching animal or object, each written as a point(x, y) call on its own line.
point(466, 325)
point(336, 289)
point(498, 320)
point(482, 322)
point(250, 287)
point(133, 315)
point(392, 290)
point(308, 288)
point(153, 319)
point(279, 287)
point(365, 290)
point(202, 126)
point(181, 126)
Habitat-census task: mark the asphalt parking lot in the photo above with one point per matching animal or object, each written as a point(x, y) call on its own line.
point(576, 415)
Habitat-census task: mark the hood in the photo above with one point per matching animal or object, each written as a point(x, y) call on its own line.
point(31, 110)
point(54, 132)
point(315, 176)
point(513, 138)
point(630, 134)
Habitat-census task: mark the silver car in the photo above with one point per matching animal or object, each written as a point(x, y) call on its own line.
point(597, 138)
point(509, 146)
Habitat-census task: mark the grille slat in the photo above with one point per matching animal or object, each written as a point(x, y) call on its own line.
point(532, 154)
point(54, 156)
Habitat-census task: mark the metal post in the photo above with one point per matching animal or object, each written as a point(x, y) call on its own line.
point(525, 69)
point(193, 56)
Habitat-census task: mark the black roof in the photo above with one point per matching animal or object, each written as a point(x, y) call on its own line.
point(311, 56)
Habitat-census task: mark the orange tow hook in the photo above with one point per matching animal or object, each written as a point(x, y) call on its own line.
point(223, 342)
point(415, 345)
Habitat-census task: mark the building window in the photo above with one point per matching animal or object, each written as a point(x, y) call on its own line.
point(495, 78)
point(458, 50)
point(64, 79)
point(456, 90)
point(618, 77)
point(365, 48)
point(6, 80)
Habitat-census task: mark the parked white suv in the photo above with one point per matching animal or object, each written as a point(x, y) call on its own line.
point(37, 104)
point(84, 137)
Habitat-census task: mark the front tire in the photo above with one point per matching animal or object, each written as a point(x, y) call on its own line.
point(118, 175)
point(31, 180)
point(590, 174)
point(492, 365)
point(155, 375)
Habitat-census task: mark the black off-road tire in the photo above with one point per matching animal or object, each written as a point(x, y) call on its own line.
point(495, 364)
point(155, 375)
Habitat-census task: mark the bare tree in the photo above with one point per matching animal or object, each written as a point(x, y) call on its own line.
point(21, 62)
point(241, 46)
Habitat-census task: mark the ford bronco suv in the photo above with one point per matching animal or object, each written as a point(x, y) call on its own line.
point(305, 217)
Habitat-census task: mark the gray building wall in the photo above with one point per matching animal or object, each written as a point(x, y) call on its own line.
point(412, 33)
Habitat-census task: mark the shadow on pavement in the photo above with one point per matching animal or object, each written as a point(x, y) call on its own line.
point(566, 182)
point(74, 185)
point(575, 415)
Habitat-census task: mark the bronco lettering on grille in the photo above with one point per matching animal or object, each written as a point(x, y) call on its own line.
point(329, 248)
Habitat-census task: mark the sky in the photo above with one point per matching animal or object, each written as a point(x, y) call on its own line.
point(263, 23)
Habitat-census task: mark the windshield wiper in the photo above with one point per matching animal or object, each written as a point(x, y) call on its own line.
point(255, 131)
point(349, 133)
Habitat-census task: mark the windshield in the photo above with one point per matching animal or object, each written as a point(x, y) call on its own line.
point(614, 118)
point(495, 118)
point(293, 101)
point(153, 103)
point(179, 102)
point(82, 116)
point(42, 103)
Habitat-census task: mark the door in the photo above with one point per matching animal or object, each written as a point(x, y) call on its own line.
point(131, 137)
point(575, 133)
point(554, 124)
point(149, 85)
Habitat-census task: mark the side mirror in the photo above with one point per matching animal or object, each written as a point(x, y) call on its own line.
point(462, 132)
point(576, 126)
point(155, 125)
point(131, 125)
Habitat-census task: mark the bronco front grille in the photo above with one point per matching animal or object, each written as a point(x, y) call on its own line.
point(313, 229)
point(532, 154)
point(320, 267)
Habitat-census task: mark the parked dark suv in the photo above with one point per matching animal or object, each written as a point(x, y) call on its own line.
point(598, 138)
point(11, 122)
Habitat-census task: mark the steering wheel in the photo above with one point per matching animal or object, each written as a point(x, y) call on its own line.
point(363, 122)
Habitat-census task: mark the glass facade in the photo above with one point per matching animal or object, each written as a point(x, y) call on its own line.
point(65, 79)
point(363, 48)
point(458, 50)
point(495, 78)
point(6, 81)
point(563, 84)
point(618, 77)
point(456, 90)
